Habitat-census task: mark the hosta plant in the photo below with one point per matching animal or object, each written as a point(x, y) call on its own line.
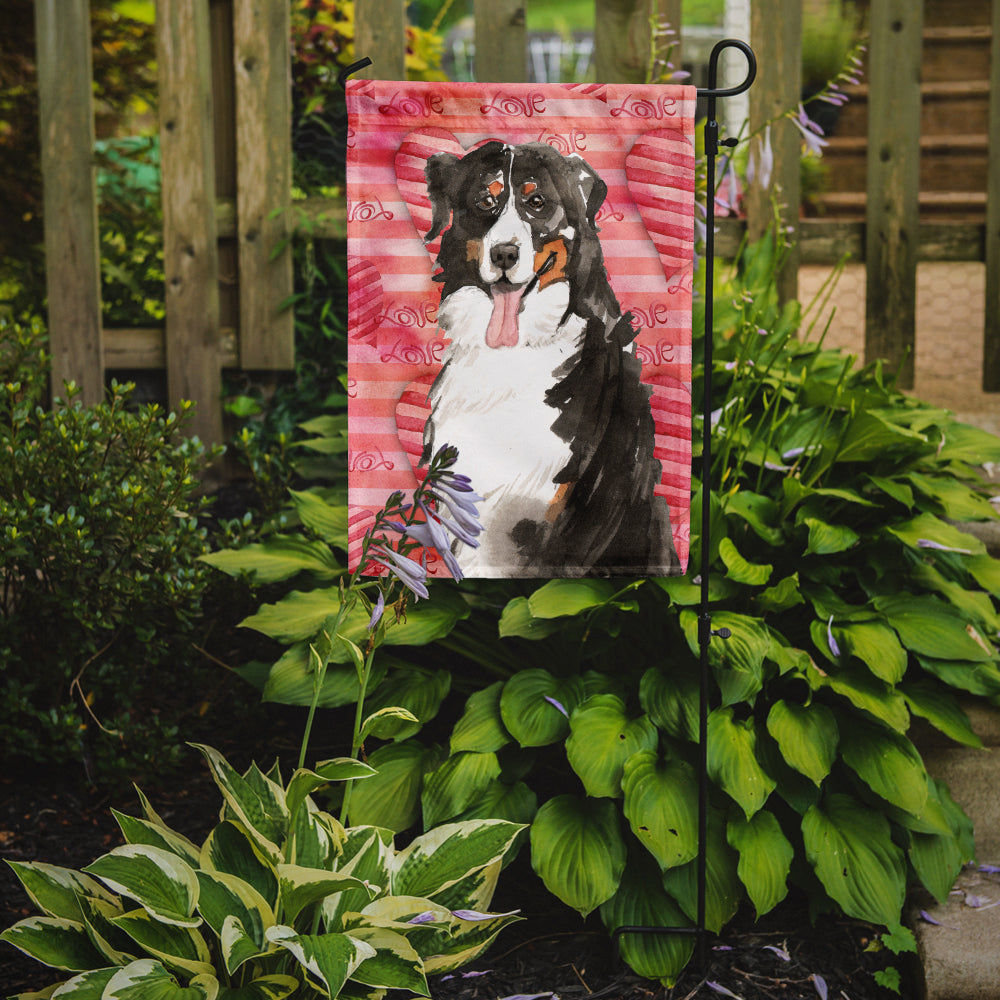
point(279, 900)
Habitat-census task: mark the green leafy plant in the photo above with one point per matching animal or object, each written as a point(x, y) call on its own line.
point(279, 899)
point(101, 584)
point(854, 603)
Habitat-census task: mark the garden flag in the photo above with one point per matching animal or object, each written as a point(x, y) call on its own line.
point(520, 264)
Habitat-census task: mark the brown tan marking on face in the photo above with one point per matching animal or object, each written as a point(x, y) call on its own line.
point(495, 188)
point(474, 250)
point(528, 187)
point(558, 271)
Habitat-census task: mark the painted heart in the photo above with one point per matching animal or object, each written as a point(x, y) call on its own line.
point(660, 174)
point(364, 300)
point(412, 412)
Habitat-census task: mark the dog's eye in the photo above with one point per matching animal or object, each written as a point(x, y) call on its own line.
point(487, 202)
point(536, 202)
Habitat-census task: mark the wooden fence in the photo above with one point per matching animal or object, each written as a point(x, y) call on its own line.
point(226, 161)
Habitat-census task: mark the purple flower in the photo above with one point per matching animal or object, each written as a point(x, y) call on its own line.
point(475, 915)
point(431, 535)
point(761, 163)
point(811, 132)
point(927, 543)
point(834, 647)
point(461, 502)
point(377, 611)
point(820, 983)
point(409, 572)
point(558, 705)
point(719, 988)
point(427, 917)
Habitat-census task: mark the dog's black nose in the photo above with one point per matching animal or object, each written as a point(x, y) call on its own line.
point(504, 255)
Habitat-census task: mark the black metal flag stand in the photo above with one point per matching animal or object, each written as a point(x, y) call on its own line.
point(705, 631)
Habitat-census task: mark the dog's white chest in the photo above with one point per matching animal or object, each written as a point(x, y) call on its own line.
point(490, 402)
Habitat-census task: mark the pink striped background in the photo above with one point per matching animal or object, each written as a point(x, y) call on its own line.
point(639, 139)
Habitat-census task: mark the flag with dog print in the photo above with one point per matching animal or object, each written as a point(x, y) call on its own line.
point(520, 265)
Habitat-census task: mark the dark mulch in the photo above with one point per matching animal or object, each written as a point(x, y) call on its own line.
point(551, 951)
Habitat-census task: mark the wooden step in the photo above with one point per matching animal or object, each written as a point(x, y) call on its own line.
point(956, 53)
point(947, 162)
point(956, 206)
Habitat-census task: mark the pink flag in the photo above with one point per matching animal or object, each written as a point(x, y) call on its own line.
point(520, 272)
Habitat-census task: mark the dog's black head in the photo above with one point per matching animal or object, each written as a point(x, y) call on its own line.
point(510, 209)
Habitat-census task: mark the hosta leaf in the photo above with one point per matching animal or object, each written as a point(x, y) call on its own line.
point(866, 692)
point(937, 860)
point(976, 678)
point(395, 964)
point(230, 849)
point(87, 986)
point(415, 689)
point(147, 979)
point(888, 763)
point(301, 887)
point(870, 435)
point(279, 558)
point(291, 680)
point(958, 502)
point(465, 941)
point(578, 851)
point(260, 809)
point(159, 881)
point(516, 803)
point(850, 848)
point(783, 595)
point(530, 706)
point(602, 738)
point(732, 760)
point(391, 798)
point(758, 511)
point(56, 891)
point(738, 661)
point(227, 897)
point(275, 987)
point(671, 699)
point(828, 539)
point(481, 728)
point(941, 709)
point(927, 528)
point(723, 889)
point(558, 598)
point(387, 723)
point(54, 941)
point(807, 736)
point(661, 799)
point(180, 948)
point(641, 901)
point(330, 959)
point(517, 620)
point(98, 916)
point(931, 628)
point(367, 856)
point(304, 782)
point(456, 784)
point(975, 605)
point(986, 571)
point(141, 831)
point(327, 520)
point(965, 443)
point(765, 858)
point(739, 569)
point(441, 857)
point(876, 646)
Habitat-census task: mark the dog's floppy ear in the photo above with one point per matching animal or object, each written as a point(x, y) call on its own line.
point(441, 172)
point(593, 189)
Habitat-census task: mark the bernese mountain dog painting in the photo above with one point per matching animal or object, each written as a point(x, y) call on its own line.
point(540, 388)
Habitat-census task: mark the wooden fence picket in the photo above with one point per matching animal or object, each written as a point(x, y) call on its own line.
point(991, 332)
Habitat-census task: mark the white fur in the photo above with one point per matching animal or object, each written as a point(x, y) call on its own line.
point(509, 228)
point(490, 404)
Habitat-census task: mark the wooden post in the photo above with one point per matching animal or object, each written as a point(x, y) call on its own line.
point(776, 35)
point(893, 184)
point(190, 253)
point(991, 333)
point(380, 34)
point(262, 60)
point(623, 37)
point(501, 41)
point(72, 255)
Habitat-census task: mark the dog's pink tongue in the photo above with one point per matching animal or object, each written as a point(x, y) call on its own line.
point(502, 328)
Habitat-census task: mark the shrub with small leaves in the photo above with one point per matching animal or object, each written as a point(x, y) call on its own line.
point(99, 574)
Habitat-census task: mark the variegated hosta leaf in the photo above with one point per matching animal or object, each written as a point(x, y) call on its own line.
point(661, 799)
point(395, 964)
point(141, 831)
point(732, 760)
point(642, 902)
point(116, 946)
point(225, 897)
point(807, 736)
point(578, 851)
point(177, 947)
point(765, 858)
point(441, 857)
point(723, 889)
point(476, 890)
point(329, 959)
point(149, 980)
point(54, 941)
point(391, 799)
point(300, 887)
point(274, 987)
point(888, 763)
point(850, 847)
point(367, 854)
point(56, 891)
point(535, 706)
point(256, 801)
point(481, 727)
point(456, 784)
point(158, 880)
point(304, 782)
point(602, 737)
point(87, 986)
point(230, 849)
point(315, 839)
point(466, 941)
